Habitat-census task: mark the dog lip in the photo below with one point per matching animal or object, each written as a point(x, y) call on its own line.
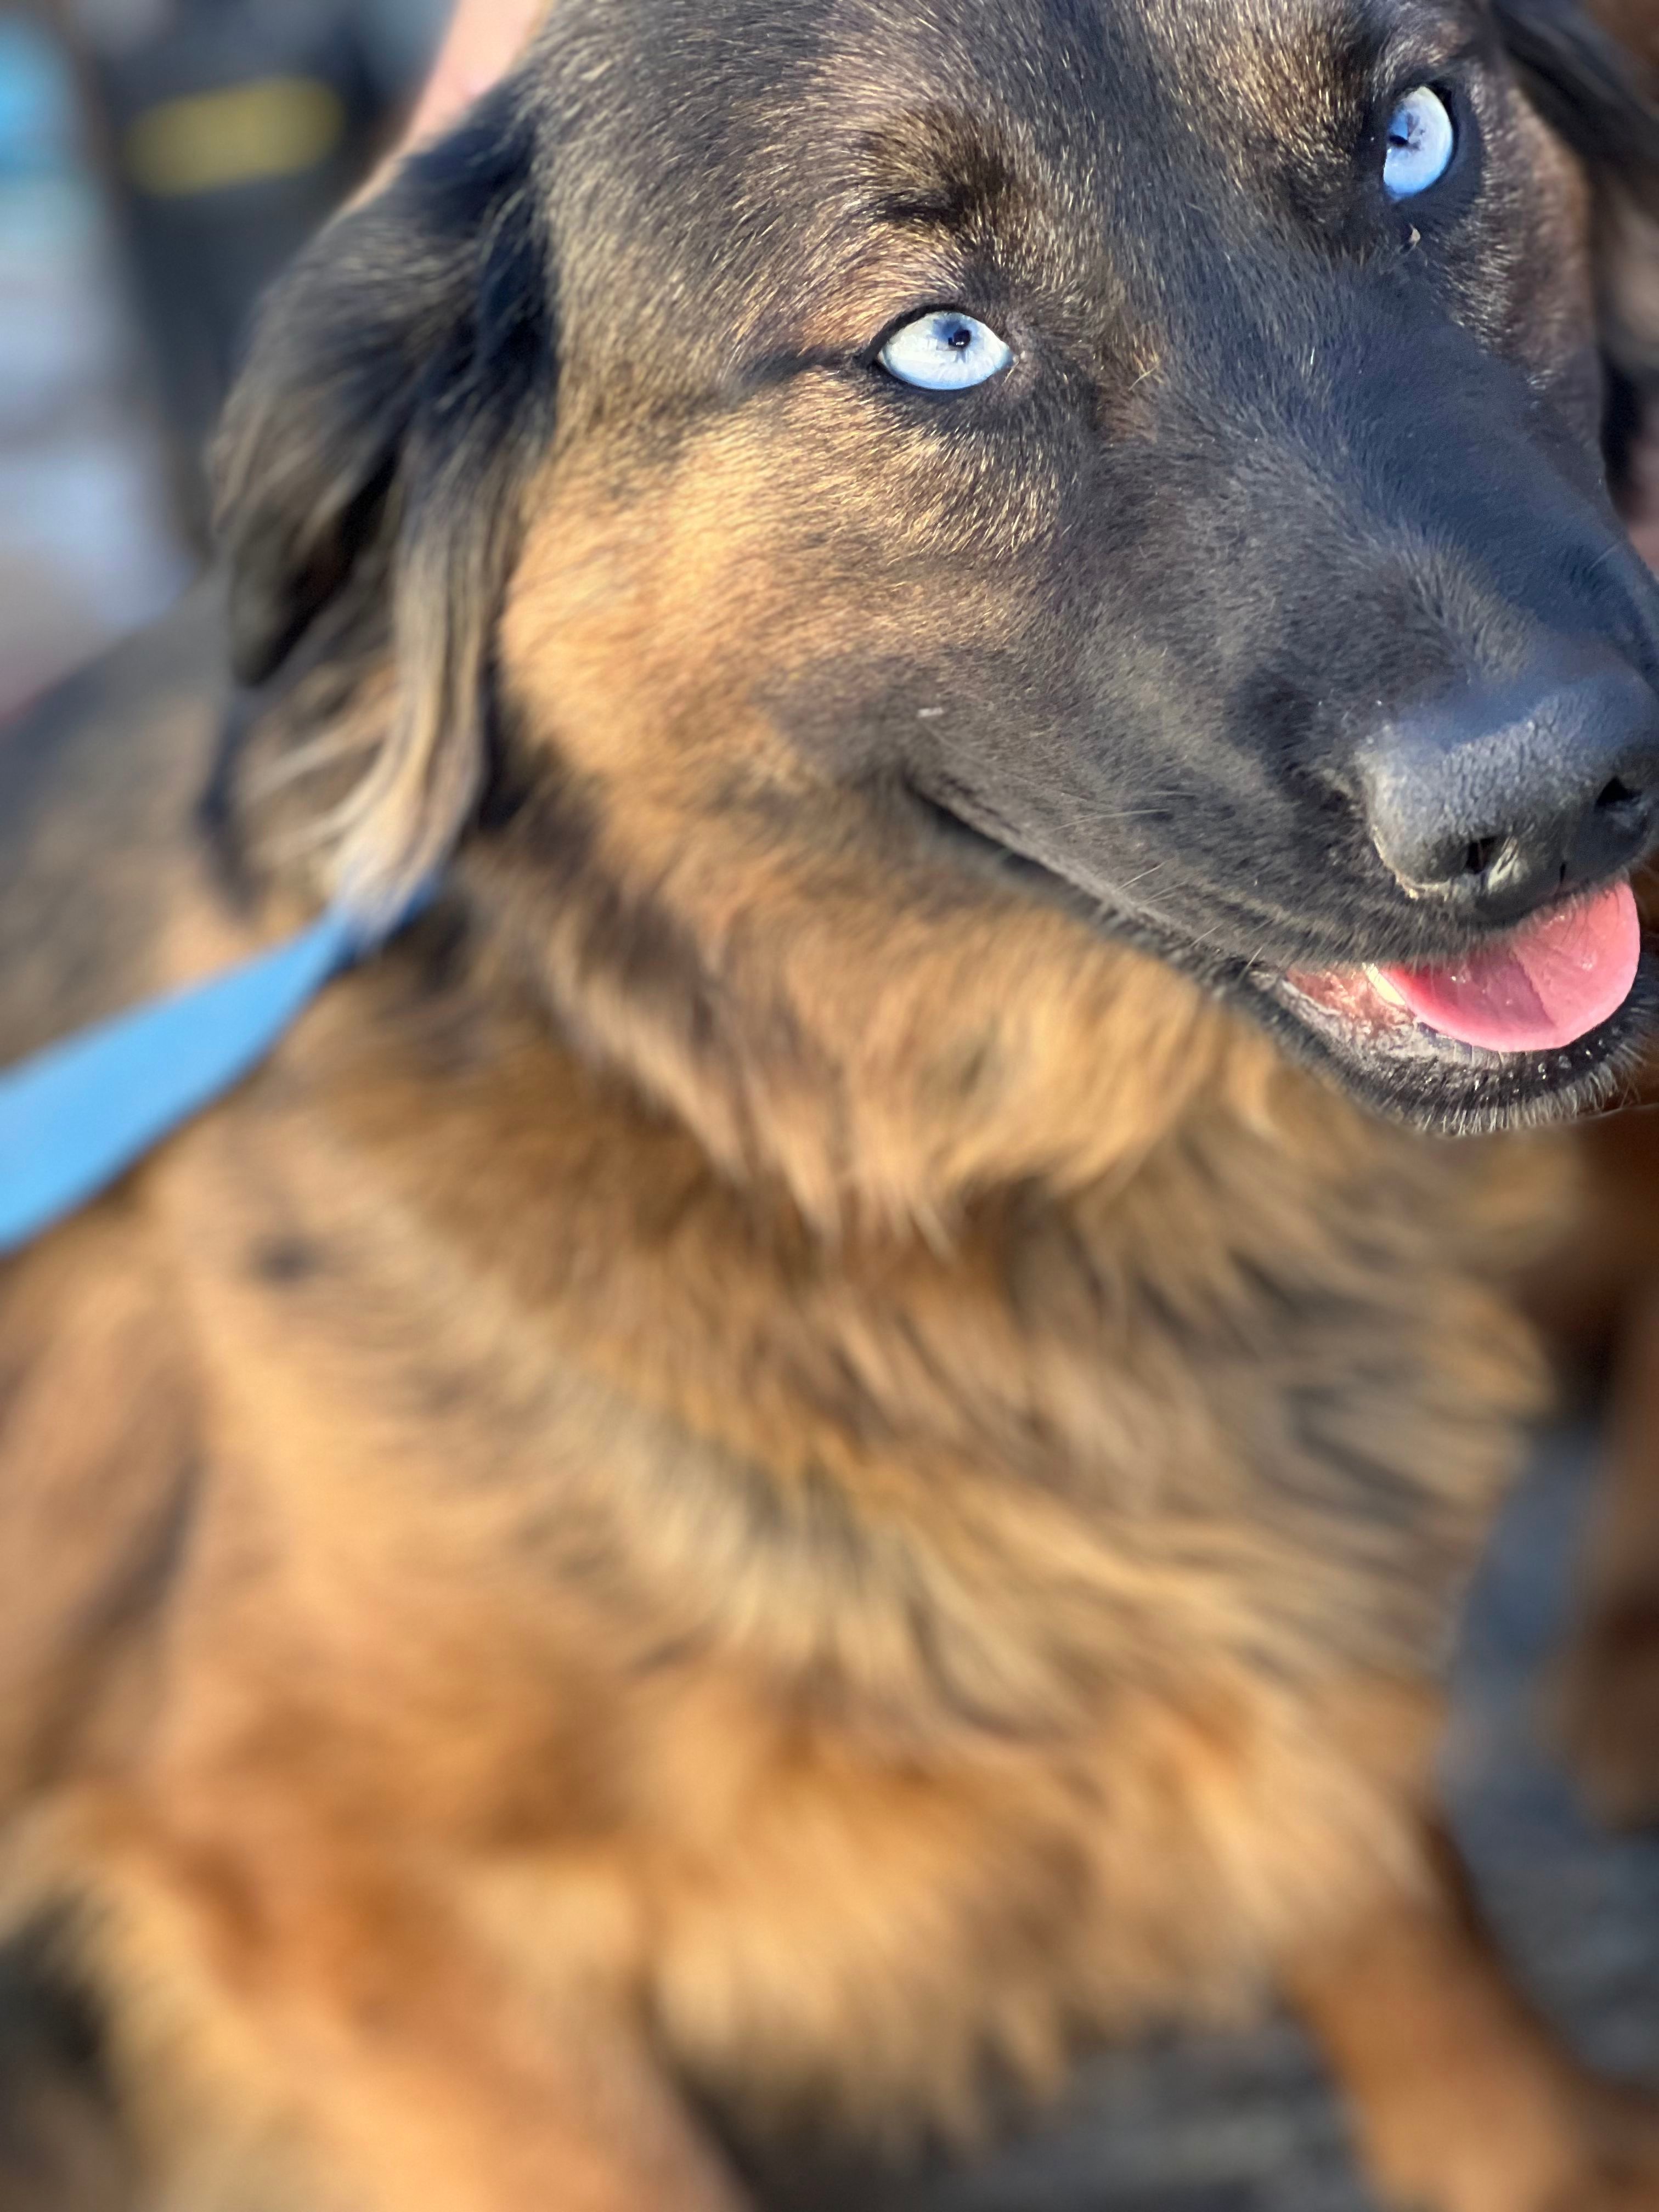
point(951, 813)
point(1372, 1043)
point(1393, 1064)
point(1560, 976)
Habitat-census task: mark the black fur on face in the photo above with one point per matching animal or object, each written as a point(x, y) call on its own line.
point(1280, 465)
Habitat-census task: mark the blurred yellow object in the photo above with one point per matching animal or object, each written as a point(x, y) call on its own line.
point(247, 134)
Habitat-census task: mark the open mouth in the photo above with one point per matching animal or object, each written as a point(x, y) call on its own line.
point(1535, 1024)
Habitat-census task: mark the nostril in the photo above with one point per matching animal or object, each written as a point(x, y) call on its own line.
point(1500, 798)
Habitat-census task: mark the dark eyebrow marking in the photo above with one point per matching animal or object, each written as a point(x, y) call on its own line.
point(934, 169)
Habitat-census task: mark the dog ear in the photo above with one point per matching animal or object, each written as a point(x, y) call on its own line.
point(1593, 75)
point(1587, 83)
point(368, 475)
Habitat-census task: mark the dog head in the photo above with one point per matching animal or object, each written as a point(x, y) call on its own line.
point(849, 528)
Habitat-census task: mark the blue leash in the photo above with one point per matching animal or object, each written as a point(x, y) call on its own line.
point(76, 1117)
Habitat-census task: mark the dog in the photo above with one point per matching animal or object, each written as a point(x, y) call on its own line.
point(822, 1437)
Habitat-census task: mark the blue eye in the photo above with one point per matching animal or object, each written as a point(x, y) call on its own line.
point(945, 351)
point(1422, 139)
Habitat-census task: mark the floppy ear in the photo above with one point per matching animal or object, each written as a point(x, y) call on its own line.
point(369, 472)
point(1592, 72)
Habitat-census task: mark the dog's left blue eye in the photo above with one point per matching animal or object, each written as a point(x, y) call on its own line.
point(1422, 139)
point(945, 351)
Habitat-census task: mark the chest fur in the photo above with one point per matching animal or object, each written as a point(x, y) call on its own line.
point(876, 1657)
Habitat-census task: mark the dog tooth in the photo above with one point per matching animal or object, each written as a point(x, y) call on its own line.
point(1384, 989)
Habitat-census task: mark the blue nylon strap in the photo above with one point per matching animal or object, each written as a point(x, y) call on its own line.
point(76, 1118)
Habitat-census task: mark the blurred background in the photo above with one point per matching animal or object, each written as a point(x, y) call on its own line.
point(159, 161)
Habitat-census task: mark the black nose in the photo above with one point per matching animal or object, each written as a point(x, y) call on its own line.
point(1499, 799)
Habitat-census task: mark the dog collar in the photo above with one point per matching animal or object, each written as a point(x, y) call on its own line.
point(74, 1118)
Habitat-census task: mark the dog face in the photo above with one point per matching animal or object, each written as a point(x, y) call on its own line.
point(1036, 476)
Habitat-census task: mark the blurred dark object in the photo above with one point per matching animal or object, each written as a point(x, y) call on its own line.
point(88, 548)
point(229, 130)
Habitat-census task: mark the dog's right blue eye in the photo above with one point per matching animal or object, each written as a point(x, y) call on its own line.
point(1422, 140)
point(945, 351)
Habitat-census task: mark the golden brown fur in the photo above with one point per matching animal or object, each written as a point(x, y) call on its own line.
point(744, 1667)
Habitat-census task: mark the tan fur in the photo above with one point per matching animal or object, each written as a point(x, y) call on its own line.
point(846, 1656)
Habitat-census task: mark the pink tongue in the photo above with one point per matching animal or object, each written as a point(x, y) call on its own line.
point(1554, 980)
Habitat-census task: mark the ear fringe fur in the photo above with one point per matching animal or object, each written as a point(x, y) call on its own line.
point(373, 458)
point(398, 828)
point(1585, 85)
